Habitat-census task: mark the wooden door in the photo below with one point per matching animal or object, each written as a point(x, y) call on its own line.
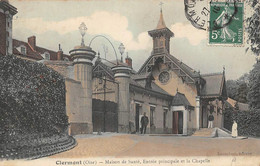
point(175, 122)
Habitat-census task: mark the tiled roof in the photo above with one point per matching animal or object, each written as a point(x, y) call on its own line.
point(180, 100)
point(184, 67)
point(34, 54)
point(214, 84)
point(29, 52)
point(154, 87)
point(134, 79)
point(188, 70)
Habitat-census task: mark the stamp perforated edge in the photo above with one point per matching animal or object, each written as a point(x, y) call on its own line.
point(226, 45)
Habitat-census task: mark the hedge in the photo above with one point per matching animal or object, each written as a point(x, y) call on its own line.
point(32, 98)
point(248, 121)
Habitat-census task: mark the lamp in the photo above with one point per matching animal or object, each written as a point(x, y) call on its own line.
point(121, 50)
point(82, 29)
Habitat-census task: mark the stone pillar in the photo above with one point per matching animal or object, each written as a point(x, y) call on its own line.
point(122, 76)
point(197, 112)
point(82, 57)
point(185, 122)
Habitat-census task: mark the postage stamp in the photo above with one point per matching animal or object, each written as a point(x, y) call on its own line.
point(226, 23)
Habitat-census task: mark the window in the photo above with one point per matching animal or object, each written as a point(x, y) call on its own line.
point(164, 77)
point(152, 109)
point(189, 115)
point(164, 118)
point(47, 56)
point(100, 81)
point(23, 50)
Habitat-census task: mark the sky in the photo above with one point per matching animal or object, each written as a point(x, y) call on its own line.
point(127, 22)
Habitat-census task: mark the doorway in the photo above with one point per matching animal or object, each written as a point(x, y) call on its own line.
point(137, 110)
point(177, 122)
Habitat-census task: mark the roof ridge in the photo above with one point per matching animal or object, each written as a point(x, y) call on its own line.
point(212, 74)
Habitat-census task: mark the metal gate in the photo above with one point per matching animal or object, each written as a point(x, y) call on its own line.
point(104, 116)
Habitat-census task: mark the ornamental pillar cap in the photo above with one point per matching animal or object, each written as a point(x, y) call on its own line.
point(121, 71)
point(82, 54)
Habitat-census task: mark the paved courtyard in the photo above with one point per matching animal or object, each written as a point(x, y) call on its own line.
point(126, 145)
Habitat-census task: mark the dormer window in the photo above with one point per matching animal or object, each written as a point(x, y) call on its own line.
point(23, 50)
point(46, 56)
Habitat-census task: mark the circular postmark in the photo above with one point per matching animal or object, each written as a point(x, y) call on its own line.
point(197, 12)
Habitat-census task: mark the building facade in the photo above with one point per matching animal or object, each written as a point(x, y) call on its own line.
point(176, 98)
point(7, 12)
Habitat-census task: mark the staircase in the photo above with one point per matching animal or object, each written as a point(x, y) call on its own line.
point(205, 132)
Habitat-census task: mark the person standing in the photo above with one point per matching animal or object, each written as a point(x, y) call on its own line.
point(144, 123)
point(234, 129)
point(211, 119)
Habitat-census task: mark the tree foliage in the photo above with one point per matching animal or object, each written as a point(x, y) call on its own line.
point(248, 121)
point(253, 28)
point(32, 97)
point(254, 87)
point(238, 89)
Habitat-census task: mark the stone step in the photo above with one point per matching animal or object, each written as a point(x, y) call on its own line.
point(204, 132)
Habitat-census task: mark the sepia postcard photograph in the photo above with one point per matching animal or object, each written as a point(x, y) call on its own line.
point(129, 82)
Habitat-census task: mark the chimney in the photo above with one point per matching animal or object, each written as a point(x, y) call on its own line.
point(60, 54)
point(32, 42)
point(128, 60)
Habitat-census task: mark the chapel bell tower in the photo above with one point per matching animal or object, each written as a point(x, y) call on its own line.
point(161, 37)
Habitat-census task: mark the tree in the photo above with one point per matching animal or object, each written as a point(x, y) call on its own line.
point(238, 89)
point(232, 88)
point(254, 87)
point(253, 28)
point(242, 92)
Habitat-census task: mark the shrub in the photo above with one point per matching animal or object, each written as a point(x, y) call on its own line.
point(32, 98)
point(248, 121)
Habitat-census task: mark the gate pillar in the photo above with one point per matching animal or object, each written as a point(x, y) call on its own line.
point(122, 76)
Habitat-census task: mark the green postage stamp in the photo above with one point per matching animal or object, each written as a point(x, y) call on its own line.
point(226, 23)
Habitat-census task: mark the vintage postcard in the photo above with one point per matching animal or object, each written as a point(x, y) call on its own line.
point(129, 82)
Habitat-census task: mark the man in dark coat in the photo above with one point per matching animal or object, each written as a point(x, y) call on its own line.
point(211, 119)
point(144, 123)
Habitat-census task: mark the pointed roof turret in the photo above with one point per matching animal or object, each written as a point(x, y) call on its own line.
point(161, 23)
point(161, 28)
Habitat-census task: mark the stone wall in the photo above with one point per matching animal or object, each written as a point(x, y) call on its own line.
point(80, 118)
point(77, 105)
point(146, 101)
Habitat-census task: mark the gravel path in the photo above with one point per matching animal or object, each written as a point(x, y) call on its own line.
point(126, 145)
